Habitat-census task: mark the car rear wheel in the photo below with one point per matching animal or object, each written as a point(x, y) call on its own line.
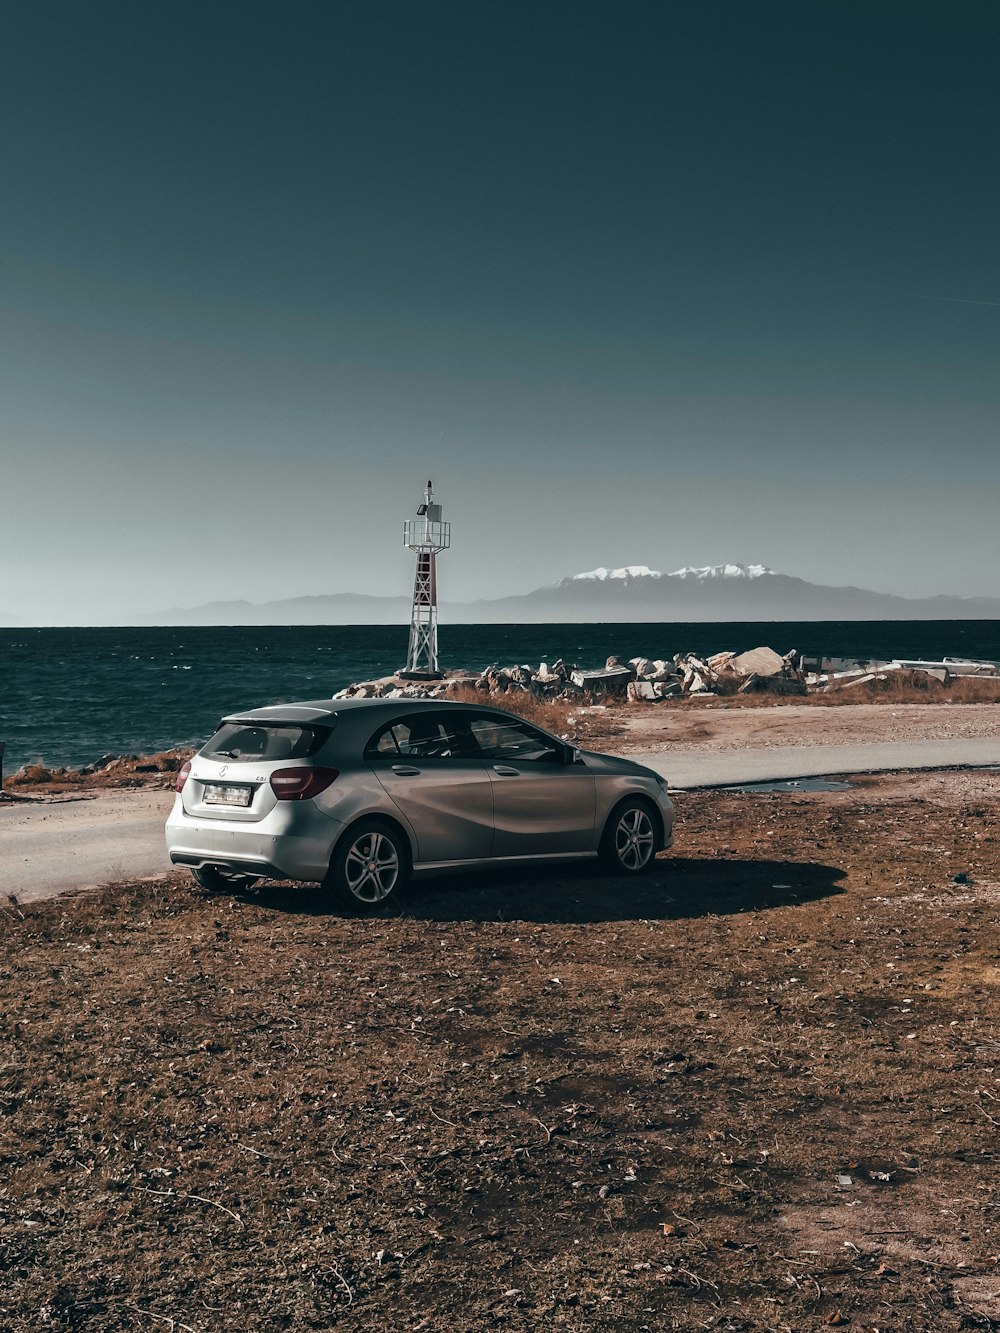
point(216, 879)
point(629, 843)
point(370, 866)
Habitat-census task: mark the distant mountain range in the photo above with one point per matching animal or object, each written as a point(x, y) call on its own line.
point(631, 593)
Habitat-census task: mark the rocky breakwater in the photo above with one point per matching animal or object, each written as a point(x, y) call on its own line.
point(637, 679)
point(111, 770)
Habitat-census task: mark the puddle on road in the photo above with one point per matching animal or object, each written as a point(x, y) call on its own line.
point(792, 785)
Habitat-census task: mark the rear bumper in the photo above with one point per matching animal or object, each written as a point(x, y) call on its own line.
point(259, 869)
point(302, 853)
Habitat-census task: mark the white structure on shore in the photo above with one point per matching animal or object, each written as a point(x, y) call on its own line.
point(427, 536)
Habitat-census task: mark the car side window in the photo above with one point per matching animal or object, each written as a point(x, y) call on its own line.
point(421, 736)
point(508, 738)
point(384, 743)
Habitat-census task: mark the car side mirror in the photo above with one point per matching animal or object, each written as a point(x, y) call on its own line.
point(575, 756)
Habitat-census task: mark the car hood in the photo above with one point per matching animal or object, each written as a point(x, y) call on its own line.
point(612, 763)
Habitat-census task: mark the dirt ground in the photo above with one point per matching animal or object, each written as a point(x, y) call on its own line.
point(757, 1090)
point(729, 726)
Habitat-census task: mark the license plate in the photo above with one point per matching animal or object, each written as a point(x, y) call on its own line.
point(215, 795)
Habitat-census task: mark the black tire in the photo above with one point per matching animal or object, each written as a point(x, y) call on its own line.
point(370, 865)
point(628, 846)
point(216, 879)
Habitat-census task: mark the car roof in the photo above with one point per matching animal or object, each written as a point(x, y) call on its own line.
point(321, 710)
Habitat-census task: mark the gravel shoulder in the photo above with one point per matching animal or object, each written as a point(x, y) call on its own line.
point(758, 1090)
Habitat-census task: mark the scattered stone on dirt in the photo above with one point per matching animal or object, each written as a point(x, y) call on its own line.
point(748, 722)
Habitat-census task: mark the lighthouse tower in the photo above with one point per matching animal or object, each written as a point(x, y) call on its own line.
point(425, 535)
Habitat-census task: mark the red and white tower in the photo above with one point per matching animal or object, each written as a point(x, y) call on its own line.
point(426, 535)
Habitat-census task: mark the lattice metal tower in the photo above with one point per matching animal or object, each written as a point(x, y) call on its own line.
point(426, 535)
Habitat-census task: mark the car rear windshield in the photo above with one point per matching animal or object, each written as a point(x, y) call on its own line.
point(264, 741)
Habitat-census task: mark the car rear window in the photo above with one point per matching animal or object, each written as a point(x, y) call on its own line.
point(264, 741)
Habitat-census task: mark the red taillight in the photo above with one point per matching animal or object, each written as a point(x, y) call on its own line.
point(182, 776)
point(301, 784)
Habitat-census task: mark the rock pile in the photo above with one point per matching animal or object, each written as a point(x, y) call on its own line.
point(640, 679)
point(648, 680)
point(759, 671)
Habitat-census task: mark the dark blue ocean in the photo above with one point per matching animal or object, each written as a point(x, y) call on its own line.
point(69, 695)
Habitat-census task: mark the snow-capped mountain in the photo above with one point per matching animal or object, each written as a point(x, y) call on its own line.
point(629, 573)
point(601, 575)
point(717, 592)
point(722, 572)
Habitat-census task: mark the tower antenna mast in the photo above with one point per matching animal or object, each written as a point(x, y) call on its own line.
point(426, 535)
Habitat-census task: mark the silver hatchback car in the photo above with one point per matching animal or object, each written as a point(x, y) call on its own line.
point(361, 794)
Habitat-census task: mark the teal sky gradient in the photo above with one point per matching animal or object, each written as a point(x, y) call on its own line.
point(635, 283)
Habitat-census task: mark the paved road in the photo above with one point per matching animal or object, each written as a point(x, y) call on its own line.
point(47, 849)
point(702, 768)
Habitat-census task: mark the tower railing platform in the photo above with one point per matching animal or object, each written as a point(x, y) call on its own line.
point(418, 534)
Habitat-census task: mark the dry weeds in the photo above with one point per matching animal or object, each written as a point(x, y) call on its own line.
point(758, 1090)
point(893, 688)
point(584, 720)
point(151, 770)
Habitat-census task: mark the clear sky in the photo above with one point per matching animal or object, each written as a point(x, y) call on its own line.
point(635, 283)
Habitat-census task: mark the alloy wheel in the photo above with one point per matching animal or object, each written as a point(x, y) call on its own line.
point(371, 867)
point(634, 838)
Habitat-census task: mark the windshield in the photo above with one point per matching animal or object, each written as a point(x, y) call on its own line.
point(264, 741)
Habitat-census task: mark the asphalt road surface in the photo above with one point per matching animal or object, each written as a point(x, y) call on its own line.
point(53, 846)
point(703, 768)
point(49, 848)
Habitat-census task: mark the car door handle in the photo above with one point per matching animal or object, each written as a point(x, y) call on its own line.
point(404, 771)
point(506, 772)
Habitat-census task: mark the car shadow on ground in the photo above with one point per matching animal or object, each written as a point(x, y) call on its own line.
point(677, 887)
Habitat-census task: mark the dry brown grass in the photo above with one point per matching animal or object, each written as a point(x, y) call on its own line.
point(561, 1101)
point(918, 688)
point(584, 720)
point(894, 689)
point(152, 770)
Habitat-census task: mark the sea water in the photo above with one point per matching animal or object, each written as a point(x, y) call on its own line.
point(69, 695)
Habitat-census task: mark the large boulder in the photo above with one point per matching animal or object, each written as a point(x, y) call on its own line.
point(758, 662)
point(609, 680)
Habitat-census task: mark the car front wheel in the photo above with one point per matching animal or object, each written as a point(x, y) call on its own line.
point(370, 865)
point(629, 843)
